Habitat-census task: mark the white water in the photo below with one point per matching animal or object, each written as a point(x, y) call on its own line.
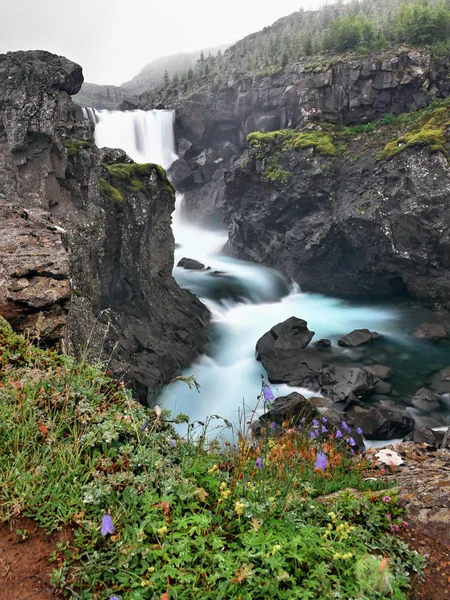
point(245, 299)
point(146, 136)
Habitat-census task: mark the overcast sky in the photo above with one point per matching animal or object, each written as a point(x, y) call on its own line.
point(114, 39)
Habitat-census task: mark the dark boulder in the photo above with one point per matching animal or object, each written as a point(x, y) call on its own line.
point(289, 408)
point(346, 384)
point(298, 368)
point(357, 338)
point(322, 344)
point(441, 381)
point(434, 332)
point(425, 435)
point(191, 264)
point(426, 400)
point(380, 371)
point(383, 422)
point(292, 334)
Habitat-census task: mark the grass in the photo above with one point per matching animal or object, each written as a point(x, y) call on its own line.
point(194, 517)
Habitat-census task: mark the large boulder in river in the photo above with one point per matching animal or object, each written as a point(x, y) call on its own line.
point(357, 338)
point(426, 400)
point(292, 334)
point(383, 422)
point(441, 381)
point(282, 353)
point(433, 332)
point(346, 384)
point(190, 264)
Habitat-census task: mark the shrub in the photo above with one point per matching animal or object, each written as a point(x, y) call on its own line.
point(349, 33)
point(418, 23)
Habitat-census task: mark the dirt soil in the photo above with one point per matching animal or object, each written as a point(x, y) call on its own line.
point(25, 565)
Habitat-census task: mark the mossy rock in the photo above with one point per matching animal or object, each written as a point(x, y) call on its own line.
point(74, 147)
point(112, 192)
point(285, 139)
point(426, 127)
point(126, 177)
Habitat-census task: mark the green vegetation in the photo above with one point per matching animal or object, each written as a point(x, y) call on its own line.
point(349, 33)
point(321, 141)
point(126, 178)
point(74, 147)
point(426, 127)
point(420, 23)
point(156, 515)
point(112, 192)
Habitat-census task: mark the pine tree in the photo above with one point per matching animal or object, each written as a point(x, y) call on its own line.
point(166, 79)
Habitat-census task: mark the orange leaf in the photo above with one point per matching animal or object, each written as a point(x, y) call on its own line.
point(165, 506)
point(43, 429)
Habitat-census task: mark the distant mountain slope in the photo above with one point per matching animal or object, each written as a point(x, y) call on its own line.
point(153, 73)
point(150, 76)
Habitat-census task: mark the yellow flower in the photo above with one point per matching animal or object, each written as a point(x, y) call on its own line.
point(213, 469)
point(162, 531)
point(337, 556)
point(276, 548)
point(239, 508)
point(223, 485)
point(347, 555)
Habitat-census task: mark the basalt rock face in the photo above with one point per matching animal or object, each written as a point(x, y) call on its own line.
point(347, 226)
point(341, 90)
point(85, 257)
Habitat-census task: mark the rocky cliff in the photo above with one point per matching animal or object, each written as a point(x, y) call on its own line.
point(212, 123)
point(349, 212)
point(86, 248)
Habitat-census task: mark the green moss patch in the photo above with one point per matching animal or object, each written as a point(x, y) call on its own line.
point(112, 192)
point(74, 147)
point(426, 127)
point(127, 177)
point(321, 141)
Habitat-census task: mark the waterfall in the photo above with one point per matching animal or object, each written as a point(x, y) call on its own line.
point(146, 136)
point(247, 299)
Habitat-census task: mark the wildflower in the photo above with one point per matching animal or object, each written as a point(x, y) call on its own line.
point(114, 598)
point(359, 431)
point(321, 461)
point(315, 423)
point(144, 426)
point(173, 443)
point(273, 425)
point(324, 429)
point(213, 469)
point(324, 420)
point(338, 433)
point(107, 525)
point(276, 548)
point(388, 516)
point(302, 420)
point(404, 524)
point(347, 555)
point(239, 508)
point(259, 463)
point(386, 499)
point(395, 527)
point(345, 426)
point(162, 531)
point(352, 442)
point(313, 434)
point(268, 394)
point(223, 485)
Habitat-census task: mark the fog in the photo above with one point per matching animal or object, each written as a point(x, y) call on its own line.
point(114, 39)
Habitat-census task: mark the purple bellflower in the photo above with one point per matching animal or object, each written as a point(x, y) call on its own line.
point(268, 394)
point(259, 463)
point(321, 461)
point(107, 525)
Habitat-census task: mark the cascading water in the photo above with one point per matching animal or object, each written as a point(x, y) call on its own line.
point(248, 299)
point(146, 136)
